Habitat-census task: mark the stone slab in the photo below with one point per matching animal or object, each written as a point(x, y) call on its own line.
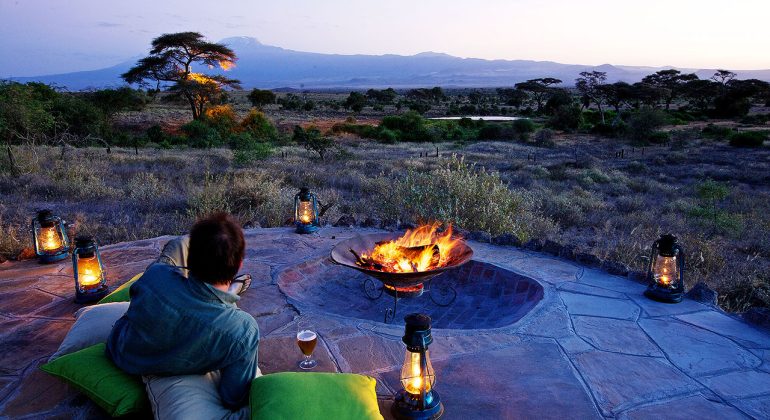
point(37, 393)
point(618, 284)
point(696, 351)
point(579, 304)
point(25, 302)
point(549, 319)
point(619, 382)
point(528, 381)
point(590, 290)
point(758, 407)
point(653, 308)
point(615, 335)
point(728, 326)
point(736, 385)
point(364, 354)
point(31, 341)
point(695, 407)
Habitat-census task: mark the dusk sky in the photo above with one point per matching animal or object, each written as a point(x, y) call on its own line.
point(54, 36)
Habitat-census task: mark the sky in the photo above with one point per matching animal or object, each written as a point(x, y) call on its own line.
point(55, 36)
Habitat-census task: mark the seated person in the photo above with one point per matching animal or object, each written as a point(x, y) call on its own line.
point(180, 324)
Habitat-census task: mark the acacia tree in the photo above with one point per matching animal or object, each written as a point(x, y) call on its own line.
point(540, 89)
point(591, 85)
point(671, 82)
point(171, 63)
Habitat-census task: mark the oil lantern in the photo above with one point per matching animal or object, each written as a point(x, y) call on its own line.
point(665, 275)
point(418, 399)
point(305, 211)
point(49, 237)
point(90, 281)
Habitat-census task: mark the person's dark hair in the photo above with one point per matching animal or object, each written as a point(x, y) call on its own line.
point(216, 249)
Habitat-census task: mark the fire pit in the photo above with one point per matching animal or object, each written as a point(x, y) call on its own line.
point(404, 264)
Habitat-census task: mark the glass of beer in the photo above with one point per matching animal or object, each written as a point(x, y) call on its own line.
point(306, 340)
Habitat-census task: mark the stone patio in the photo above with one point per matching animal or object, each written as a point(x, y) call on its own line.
point(592, 347)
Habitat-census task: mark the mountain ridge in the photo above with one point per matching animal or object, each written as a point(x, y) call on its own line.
point(267, 66)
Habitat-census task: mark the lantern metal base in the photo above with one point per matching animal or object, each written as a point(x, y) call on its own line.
point(406, 406)
point(305, 229)
point(89, 297)
point(52, 258)
point(663, 295)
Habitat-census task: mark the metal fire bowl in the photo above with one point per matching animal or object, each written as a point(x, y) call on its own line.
point(341, 255)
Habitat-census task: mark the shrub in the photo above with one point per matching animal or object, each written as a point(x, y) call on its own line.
point(544, 138)
point(566, 117)
point(313, 140)
point(524, 125)
point(221, 118)
point(748, 139)
point(258, 151)
point(145, 187)
point(155, 134)
point(259, 97)
point(645, 122)
point(469, 197)
point(659, 137)
point(201, 135)
point(716, 131)
point(259, 126)
point(491, 132)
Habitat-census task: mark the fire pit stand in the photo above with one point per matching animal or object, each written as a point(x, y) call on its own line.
point(400, 284)
point(446, 294)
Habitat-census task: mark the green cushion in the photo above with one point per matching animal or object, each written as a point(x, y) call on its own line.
point(121, 293)
point(310, 395)
point(93, 373)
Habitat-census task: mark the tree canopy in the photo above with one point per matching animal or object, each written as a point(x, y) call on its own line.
point(171, 63)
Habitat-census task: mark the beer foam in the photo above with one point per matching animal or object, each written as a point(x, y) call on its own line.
point(306, 335)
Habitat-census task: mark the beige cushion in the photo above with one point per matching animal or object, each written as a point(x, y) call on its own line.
point(93, 325)
point(189, 397)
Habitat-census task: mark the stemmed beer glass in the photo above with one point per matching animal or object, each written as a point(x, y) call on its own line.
point(307, 337)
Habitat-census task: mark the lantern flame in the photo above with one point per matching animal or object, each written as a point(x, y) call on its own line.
point(89, 272)
point(50, 239)
point(420, 249)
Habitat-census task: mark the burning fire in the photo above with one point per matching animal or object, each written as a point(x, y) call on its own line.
point(420, 249)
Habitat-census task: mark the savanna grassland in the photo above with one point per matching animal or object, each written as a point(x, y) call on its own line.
point(605, 195)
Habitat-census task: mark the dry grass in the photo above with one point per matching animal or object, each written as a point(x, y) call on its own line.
point(577, 193)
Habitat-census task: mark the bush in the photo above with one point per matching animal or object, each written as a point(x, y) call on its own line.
point(201, 135)
point(466, 196)
point(748, 139)
point(566, 117)
point(491, 132)
point(659, 137)
point(259, 126)
point(524, 125)
point(544, 138)
point(258, 151)
point(259, 97)
point(313, 140)
point(644, 123)
point(222, 118)
point(155, 134)
point(716, 131)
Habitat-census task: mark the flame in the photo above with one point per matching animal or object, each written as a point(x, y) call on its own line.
point(305, 212)
point(50, 239)
point(89, 272)
point(421, 249)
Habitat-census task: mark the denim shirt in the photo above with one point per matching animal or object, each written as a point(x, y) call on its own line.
point(180, 326)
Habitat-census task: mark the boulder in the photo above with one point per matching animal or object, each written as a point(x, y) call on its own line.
point(534, 245)
point(507, 239)
point(552, 247)
point(480, 236)
point(588, 259)
point(703, 294)
point(345, 221)
point(758, 316)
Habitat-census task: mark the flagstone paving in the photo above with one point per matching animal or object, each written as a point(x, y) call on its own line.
point(590, 346)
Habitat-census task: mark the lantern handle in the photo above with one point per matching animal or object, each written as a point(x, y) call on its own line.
point(34, 236)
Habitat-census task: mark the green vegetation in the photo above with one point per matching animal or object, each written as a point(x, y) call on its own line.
point(748, 138)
